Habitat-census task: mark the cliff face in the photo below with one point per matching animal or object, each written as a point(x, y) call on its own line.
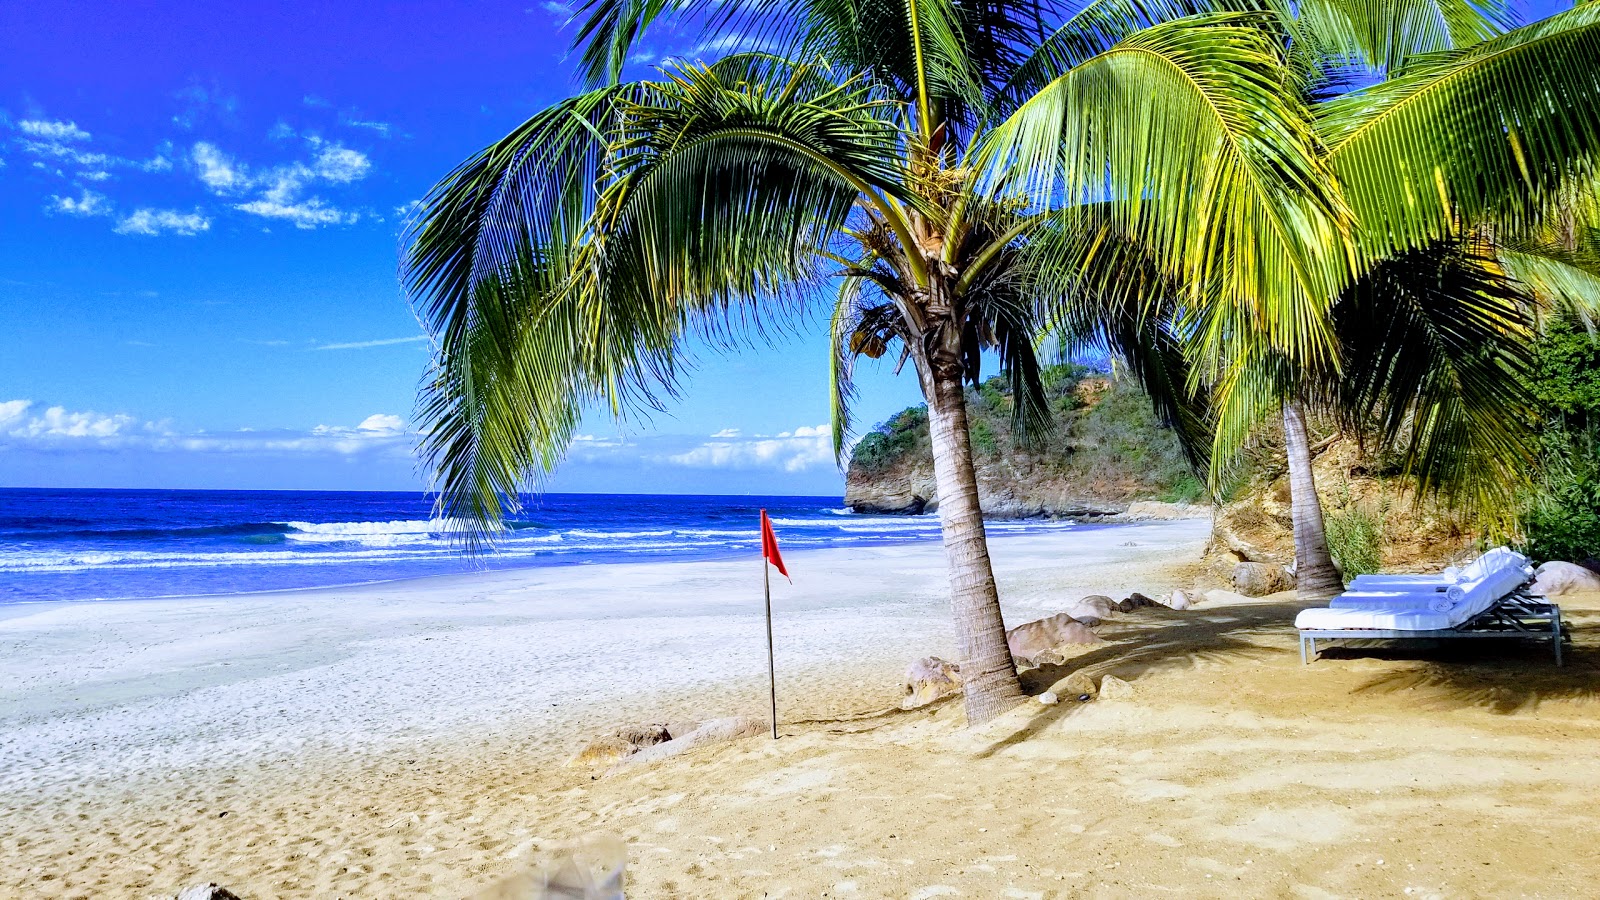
point(1355, 488)
point(1106, 452)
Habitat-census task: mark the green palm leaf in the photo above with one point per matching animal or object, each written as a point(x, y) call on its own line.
point(1188, 136)
point(1491, 133)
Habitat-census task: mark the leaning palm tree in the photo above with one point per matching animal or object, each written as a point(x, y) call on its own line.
point(574, 263)
point(1452, 150)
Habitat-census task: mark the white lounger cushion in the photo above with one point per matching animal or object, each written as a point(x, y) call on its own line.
point(1438, 601)
point(1491, 561)
point(1357, 619)
point(1471, 599)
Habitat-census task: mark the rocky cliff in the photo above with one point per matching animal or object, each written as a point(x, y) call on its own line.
point(1107, 451)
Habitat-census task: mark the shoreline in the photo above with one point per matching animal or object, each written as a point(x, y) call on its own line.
point(386, 742)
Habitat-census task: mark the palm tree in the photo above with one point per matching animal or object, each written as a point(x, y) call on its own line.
point(569, 265)
point(1451, 150)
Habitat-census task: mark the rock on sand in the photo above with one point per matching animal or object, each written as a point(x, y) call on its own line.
point(1033, 639)
point(1254, 579)
point(928, 679)
point(1114, 688)
point(620, 744)
point(1556, 578)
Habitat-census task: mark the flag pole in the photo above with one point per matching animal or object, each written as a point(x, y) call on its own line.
point(772, 669)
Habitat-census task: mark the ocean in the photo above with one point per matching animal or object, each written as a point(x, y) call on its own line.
point(58, 545)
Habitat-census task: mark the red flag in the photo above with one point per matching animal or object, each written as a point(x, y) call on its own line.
point(769, 546)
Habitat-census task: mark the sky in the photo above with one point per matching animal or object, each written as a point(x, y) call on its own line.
point(201, 208)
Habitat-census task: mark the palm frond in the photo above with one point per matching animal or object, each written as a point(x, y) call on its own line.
point(1187, 137)
point(1437, 362)
point(1387, 37)
point(1491, 133)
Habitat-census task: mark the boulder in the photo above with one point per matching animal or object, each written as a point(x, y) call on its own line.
point(1555, 578)
point(1094, 606)
point(1260, 579)
point(1114, 688)
point(1077, 686)
point(208, 891)
point(1048, 698)
point(1032, 639)
point(929, 679)
point(620, 744)
point(1135, 601)
point(1180, 600)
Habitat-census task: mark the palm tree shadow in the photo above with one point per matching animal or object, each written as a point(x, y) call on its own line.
point(1158, 640)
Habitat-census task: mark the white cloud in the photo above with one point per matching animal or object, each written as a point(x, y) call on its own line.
point(792, 451)
point(12, 410)
point(280, 190)
point(59, 141)
point(56, 423)
point(57, 428)
point(362, 345)
point(218, 170)
point(163, 221)
point(52, 131)
point(305, 214)
point(94, 176)
point(383, 129)
point(380, 423)
point(556, 8)
point(88, 204)
point(342, 165)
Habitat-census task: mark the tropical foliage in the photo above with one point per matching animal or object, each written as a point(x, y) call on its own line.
point(1165, 177)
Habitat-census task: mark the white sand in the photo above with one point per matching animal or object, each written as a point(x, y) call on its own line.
point(156, 701)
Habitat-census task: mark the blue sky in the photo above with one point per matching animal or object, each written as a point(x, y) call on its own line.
point(201, 205)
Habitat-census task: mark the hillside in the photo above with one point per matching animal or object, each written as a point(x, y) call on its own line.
point(1107, 450)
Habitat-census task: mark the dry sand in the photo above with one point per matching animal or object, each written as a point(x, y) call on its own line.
point(406, 740)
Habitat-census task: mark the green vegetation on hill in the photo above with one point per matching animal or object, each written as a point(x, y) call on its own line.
point(1106, 441)
point(1561, 519)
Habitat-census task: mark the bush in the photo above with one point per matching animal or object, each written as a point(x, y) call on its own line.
point(1562, 518)
point(983, 439)
point(903, 435)
point(1355, 539)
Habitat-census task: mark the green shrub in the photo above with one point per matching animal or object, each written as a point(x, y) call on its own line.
point(1562, 518)
point(1355, 539)
point(1185, 489)
point(1561, 515)
point(983, 439)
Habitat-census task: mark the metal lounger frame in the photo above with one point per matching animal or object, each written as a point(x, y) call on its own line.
point(1518, 615)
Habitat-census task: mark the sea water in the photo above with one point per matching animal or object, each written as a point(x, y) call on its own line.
point(113, 544)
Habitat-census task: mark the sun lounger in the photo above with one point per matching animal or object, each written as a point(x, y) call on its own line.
point(1491, 561)
point(1495, 605)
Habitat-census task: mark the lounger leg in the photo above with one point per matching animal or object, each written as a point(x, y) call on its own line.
point(1303, 659)
point(1555, 633)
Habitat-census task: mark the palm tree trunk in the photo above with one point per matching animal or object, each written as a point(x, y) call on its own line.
point(1316, 577)
point(988, 674)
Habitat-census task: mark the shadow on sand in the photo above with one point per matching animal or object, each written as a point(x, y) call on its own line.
point(1499, 676)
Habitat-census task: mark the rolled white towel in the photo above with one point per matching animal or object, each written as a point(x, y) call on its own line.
point(1442, 603)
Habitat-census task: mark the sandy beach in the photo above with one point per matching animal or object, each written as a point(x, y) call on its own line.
point(409, 739)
